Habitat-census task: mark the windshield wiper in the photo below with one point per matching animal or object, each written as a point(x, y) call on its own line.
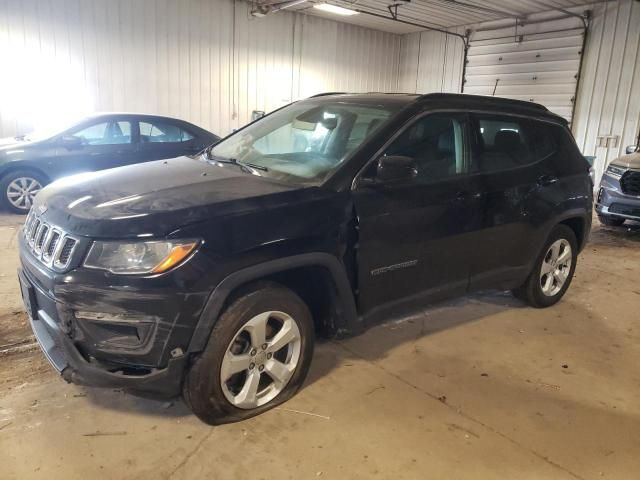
point(234, 161)
point(253, 165)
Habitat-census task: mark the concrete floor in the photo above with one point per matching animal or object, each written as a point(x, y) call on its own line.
point(478, 388)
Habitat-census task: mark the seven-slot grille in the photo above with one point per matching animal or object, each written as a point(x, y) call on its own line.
point(630, 182)
point(51, 245)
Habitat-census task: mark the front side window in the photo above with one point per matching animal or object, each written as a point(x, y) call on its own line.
point(436, 144)
point(162, 132)
point(105, 133)
point(304, 142)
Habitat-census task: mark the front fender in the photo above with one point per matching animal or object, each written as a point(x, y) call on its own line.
point(349, 318)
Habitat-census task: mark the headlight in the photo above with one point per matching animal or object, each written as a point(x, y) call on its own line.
point(135, 258)
point(615, 171)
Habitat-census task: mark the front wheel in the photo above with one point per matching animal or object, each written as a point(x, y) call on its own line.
point(19, 189)
point(257, 357)
point(553, 270)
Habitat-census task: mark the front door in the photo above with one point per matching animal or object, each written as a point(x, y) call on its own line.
point(416, 238)
point(99, 145)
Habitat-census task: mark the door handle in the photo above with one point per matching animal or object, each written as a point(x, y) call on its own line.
point(464, 195)
point(546, 180)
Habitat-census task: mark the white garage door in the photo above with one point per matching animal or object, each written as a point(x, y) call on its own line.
point(537, 62)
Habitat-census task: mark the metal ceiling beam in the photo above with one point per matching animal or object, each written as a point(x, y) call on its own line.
point(584, 18)
point(394, 18)
point(481, 8)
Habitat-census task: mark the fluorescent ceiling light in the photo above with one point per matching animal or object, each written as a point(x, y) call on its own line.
point(327, 7)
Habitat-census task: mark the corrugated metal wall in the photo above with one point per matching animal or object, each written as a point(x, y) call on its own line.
point(609, 94)
point(210, 62)
point(207, 61)
point(431, 62)
point(334, 56)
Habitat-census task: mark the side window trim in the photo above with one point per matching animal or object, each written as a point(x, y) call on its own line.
point(464, 120)
point(135, 130)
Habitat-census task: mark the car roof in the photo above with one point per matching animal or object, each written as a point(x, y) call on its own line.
point(95, 115)
point(438, 100)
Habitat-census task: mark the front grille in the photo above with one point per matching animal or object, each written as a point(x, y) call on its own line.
point(53, 243)
point(48, 243)
point(66, 251)
point(624, 210)
point(630, 183)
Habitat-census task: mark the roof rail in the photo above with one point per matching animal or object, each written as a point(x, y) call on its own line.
point(327, 93)
point(510, 101)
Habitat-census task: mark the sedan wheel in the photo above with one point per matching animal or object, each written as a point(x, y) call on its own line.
point(21, 192)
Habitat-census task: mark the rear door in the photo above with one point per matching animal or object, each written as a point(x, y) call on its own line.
point(513, 159)
point(417, 238)
point(162, 138)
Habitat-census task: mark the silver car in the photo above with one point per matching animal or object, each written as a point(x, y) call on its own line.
point(618, 198)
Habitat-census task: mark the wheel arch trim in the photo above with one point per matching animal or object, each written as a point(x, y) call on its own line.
point(349, 319)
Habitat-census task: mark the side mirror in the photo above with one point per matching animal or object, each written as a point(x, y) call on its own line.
point(396, 168)
point(70, 142)
point(632, 149)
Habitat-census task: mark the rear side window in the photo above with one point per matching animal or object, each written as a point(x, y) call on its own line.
point(162, 132)
point(504, 142)
point(544, 138)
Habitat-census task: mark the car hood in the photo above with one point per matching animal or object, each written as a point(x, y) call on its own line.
point(628, 161)
point(11, 142)
point(156, 198)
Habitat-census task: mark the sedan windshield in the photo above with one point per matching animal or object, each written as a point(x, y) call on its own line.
point(304, 142)
point(46, 133)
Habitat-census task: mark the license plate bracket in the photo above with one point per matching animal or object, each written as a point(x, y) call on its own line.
point(29, 297)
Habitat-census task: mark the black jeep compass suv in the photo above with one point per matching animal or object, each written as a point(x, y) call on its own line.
point(210, 275)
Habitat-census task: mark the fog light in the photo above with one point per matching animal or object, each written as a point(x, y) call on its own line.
point(116, 330)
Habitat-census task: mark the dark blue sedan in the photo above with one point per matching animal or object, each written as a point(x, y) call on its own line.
point(98, 142)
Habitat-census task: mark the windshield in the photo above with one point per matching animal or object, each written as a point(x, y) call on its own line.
point(44, 133)
point(304, 142)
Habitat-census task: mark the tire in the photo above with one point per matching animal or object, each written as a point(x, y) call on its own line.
point(233, 342)
point(20, 179)
point(610, 221)
point(536, 291)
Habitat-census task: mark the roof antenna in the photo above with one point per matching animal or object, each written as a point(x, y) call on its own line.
point(495, 87)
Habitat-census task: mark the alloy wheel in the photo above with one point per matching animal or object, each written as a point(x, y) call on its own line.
point(260, 360)
point(21, 192)
point(556, 267)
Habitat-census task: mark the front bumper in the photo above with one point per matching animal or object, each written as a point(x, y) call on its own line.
point(65, 357)
point(112, 331)
point(610, 200)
